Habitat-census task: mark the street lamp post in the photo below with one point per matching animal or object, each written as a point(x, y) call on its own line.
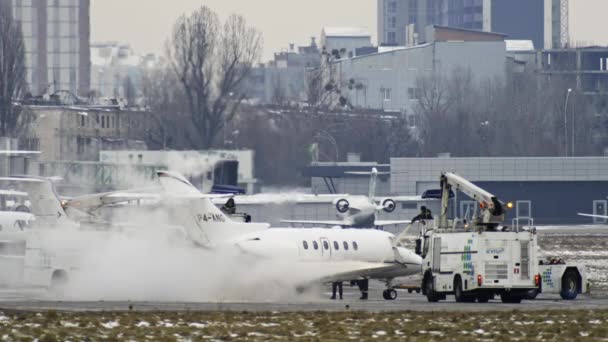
point(573, 123)
point(566, 122)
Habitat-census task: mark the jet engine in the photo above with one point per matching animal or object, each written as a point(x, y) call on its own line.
point(389, 205)
point(342, 205)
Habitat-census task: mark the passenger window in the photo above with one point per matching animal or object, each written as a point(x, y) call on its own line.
point(315, 245)
point(345, 244)
point(305, 244)
point(336, 246)
point(325, 245)
point(355, 246)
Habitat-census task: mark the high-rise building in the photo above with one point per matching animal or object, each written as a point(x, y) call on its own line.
point(56, 36)
point(402, 22)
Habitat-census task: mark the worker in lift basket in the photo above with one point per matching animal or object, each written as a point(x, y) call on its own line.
point(230, 207)
point(425, 214)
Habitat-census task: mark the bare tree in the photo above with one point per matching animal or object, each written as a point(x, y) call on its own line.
point(166, 101)
point(12, 70)
point(211, 60)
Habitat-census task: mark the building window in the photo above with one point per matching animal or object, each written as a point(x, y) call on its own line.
point(336, 246)
point(82, 120)
point(392, 6)
point(386, 94)
point(355, 245)
point(392, 22)
point(305, 244)
point(315, 245)
point(413, 93)
point(391, 38)
point(345, 244)
point(103, 121)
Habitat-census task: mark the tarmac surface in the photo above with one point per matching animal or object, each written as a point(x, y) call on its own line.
point(405, 302)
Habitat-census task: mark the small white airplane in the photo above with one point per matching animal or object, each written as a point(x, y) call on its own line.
point(359, 211)
point(328, 255)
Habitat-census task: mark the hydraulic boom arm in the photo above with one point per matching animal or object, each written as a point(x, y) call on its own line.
point(492, 210)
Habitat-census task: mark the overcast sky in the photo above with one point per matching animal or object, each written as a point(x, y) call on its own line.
point(145, 24)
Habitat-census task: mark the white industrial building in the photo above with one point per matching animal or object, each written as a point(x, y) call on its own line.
point(388, 80)
point(345, 38)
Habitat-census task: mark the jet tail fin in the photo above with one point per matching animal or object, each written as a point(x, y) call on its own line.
point(373, 176)
point(204, 223)
point(46, 206)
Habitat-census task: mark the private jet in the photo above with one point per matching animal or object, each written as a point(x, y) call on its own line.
point(328, 255)
point(359, 211)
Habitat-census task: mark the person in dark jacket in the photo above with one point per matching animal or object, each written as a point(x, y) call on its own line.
point(425, 214)
point(230, 207)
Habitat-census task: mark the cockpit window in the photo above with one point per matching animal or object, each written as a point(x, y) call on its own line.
point(345, 244)
point(315, 245)
point(336, 245)
point(305, 244)
point(325, 245)
point(355, 246)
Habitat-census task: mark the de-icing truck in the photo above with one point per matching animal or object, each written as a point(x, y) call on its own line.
point(479, 258)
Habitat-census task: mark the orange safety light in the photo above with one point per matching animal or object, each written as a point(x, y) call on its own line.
point(537, 280)
point(479, 280)
point(481, 205)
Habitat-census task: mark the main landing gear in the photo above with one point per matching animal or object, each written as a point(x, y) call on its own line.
point(389, 294)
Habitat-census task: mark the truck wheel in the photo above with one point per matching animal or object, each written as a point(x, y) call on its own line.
point(531, 294)
point(483, 298)
point(510, 298)
point(431, 295)
point(569, 285)
point(458, 295)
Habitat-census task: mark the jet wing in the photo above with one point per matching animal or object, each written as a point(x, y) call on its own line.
point(381, 223)
point(285, 198)
point(94, 201)
point(356, 270)
point(594, 216)
point(324, 223)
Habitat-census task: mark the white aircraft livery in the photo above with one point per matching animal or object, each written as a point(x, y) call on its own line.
point(329, 254)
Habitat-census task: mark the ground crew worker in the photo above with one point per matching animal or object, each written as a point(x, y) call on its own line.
point(336, 285)
point(363, 287)
point(230, 207)
point(425, 214)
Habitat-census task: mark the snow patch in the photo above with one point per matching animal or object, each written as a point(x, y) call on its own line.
point(110, 324)
point(69, 324)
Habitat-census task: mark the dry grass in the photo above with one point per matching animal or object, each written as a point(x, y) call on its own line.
point(423, 326)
